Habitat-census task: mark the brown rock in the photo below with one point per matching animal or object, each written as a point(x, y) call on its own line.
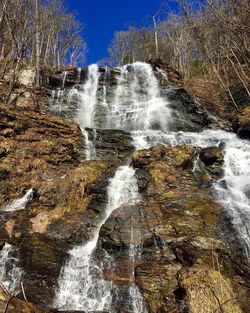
point(206, 290)
point(17, 306)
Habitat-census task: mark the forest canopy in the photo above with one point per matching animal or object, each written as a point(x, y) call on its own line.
point(211, 38)
point(39, 33)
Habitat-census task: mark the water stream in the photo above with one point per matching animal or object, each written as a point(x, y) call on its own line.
point(10, 272)
point(136, 106)
point(80, 288)
point(19, 204)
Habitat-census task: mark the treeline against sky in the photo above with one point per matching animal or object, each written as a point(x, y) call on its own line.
point(39, 33)
point(211, 38)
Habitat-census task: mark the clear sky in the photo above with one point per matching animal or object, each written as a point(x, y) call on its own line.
point(103, 17)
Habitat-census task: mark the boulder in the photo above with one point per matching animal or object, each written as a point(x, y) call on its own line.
point(26, 77)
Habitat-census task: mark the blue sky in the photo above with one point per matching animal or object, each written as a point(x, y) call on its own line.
point(103, 17)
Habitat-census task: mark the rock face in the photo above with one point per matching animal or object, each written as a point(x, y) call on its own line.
point(17, 306)
point(189, 114)
point(168, 243)
point(174, 77)
point(43, 153)
point(33, 151)
point(174, 229)
point(115, 146)
point(65, 77)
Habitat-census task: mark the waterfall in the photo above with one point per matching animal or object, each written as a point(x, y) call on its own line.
point(87, 104)
point(79, 288)
point(10, 273)
point(233, 190)
point(137, 104)
point(79, 72)
point(90, 150)
point(19, 204)
point(65, 74)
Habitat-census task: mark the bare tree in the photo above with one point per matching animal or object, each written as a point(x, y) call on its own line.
point(38, 33)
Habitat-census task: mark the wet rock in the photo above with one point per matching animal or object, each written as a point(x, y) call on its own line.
point(115, 146)
point(175, 226)
point(44, 154)
point(173, 75)
point(63, 77)
point(211, 156)
point(213, 160)
point(189, 114)
point(48, 229)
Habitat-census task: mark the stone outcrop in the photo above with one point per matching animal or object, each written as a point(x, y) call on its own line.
point(189, 114)
point(174, 77)
point(63, 77)
point(35, 149)
point(45, 153)
point(175, 229)
point(115, 146)
point(169, 242)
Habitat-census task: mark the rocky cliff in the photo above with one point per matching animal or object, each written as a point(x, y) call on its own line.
point(172, 240)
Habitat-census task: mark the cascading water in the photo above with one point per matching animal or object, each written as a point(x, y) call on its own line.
point(65, 74)
point(79, 288)
point(87, 105)
point(136, 106)
point(87, 102)
point(19, 204)
point(10, 273)
point(233, 190)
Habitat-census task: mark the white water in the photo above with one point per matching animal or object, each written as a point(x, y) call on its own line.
point(87, 107)
point(138, 108)
point(19, 204)
point(137, 104)
point(90, 151)
point(87, 104)
point(10, 273)
point(79, 72)
point(65, 74)
point(163, 75)
point(233, 191)
point(79, 288)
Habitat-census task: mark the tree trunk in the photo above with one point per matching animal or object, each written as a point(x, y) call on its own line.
point(37, 80)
